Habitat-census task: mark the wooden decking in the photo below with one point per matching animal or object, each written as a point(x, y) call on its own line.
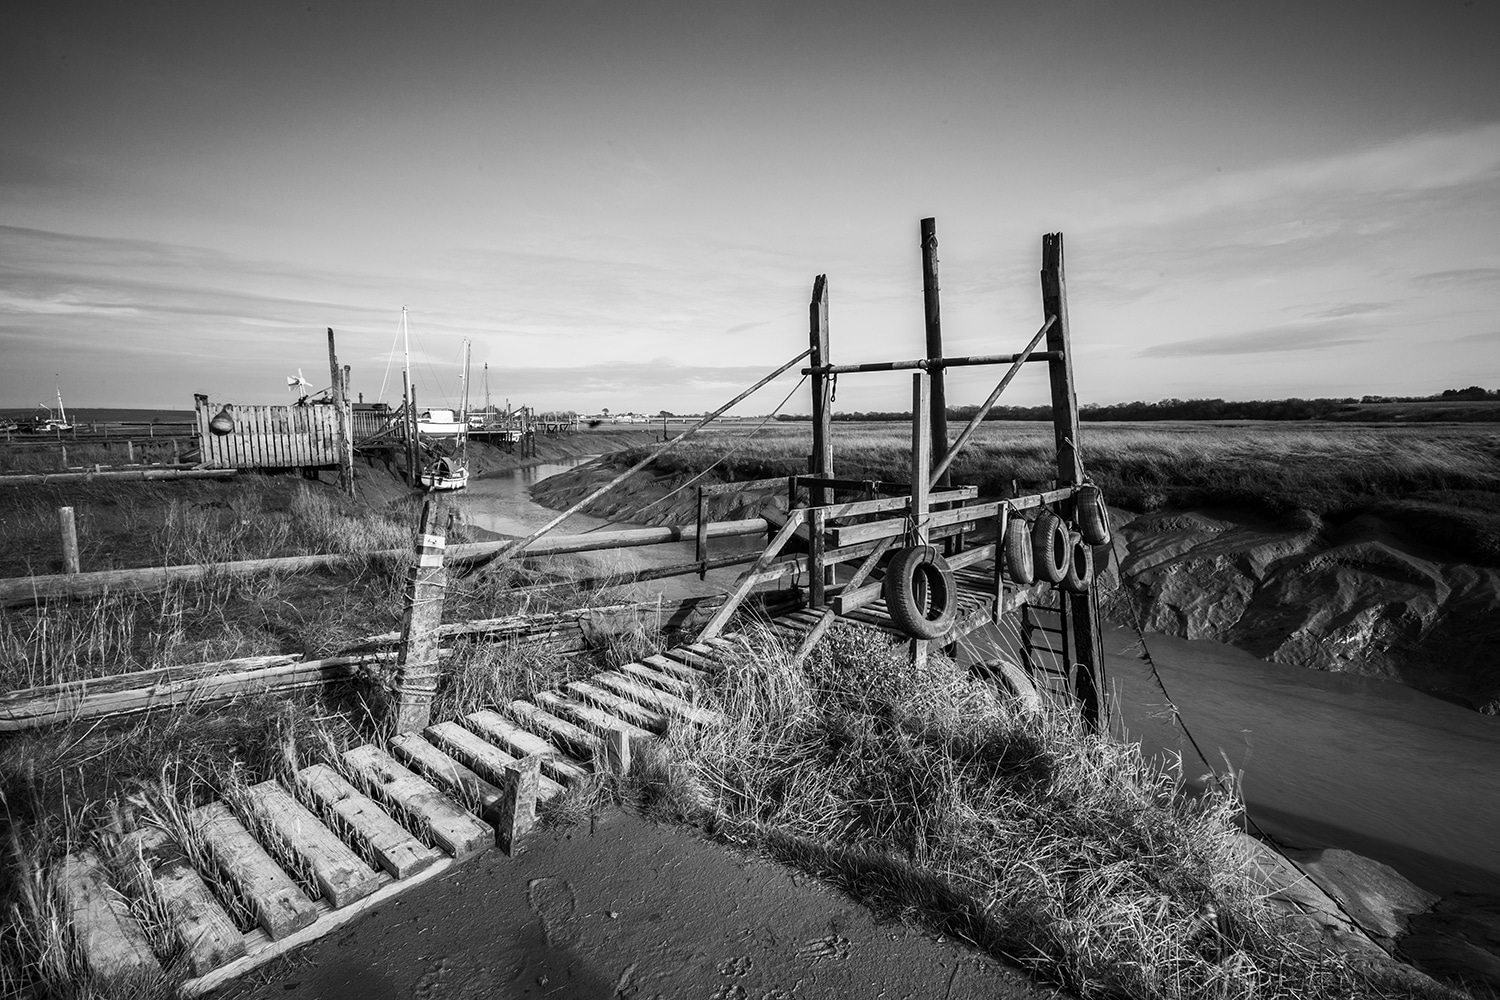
point(307, 855)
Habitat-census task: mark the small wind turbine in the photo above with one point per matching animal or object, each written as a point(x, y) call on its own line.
point(297, 382)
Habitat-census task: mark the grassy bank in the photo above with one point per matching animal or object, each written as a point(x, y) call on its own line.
point(929, 796)
point(1439, 483)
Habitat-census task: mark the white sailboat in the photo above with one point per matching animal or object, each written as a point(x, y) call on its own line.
point(445, 471)
point(53, 423)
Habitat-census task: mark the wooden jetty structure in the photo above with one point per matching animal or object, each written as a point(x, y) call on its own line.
point(894, 557)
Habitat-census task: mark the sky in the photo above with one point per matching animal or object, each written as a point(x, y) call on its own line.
point(625, 205)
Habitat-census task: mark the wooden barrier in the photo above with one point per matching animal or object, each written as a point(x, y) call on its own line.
point(270, 437)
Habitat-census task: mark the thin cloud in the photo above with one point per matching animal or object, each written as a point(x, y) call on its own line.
point(1483, 278)
point(1264, 341)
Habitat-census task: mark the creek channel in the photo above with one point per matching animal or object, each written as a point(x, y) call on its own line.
point(1327, 760)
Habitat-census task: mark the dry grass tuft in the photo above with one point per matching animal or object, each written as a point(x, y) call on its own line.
point(930, 795)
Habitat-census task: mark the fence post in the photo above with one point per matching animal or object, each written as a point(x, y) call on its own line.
point(700, 547)
point(1080, 612)
point(69, 539)
point(820, 463)
point(129, 452)
point(342, 437)
point(417, 662)
point(938, 400)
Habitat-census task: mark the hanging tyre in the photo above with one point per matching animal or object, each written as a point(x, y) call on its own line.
point(920, 593)
point(1051, 548)
point(1019, 564)
point(1080, 566)
point(1093, 516)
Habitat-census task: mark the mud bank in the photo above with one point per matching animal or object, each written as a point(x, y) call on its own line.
point(1356, 597)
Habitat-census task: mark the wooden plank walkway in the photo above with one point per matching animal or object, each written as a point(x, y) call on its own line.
point(345, 835)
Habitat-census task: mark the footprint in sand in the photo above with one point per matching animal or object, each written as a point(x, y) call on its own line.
point(732, 991)
point(736, 966)
point(834, 946)
point(552, 900)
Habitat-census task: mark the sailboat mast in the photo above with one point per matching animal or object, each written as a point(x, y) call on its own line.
point(57, 381)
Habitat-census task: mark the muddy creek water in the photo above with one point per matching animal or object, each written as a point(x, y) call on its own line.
point(1328, 760)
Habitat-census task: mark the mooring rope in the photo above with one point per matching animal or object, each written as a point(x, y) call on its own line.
point(745, 439)
point(519, 546)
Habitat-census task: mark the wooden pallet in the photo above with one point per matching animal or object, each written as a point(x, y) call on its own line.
point(306, 855)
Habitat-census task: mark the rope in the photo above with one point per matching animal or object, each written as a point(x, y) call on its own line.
point(745, 439)
point(1181, 722)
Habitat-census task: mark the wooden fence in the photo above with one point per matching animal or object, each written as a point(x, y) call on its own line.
point(269, 437)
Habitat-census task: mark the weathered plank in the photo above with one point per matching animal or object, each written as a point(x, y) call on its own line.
point(340, 873)
point(456, 830)
point(595, 720)
point(523, 743)
point(279, 906)
point(397, 850)
point(449, 775)
point(657, 678)
point(487, 759)
point(696, 655)
point(676, 668)
point(110, 939)
point(544, 723)
point(632, 687)
point(623, 708)
point(157, 866)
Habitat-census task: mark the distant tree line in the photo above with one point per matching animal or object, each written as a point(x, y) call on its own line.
point(1185, 409)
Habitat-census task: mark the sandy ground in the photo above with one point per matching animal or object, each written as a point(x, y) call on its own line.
point(630, 910)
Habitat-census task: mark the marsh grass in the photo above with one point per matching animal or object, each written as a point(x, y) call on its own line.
point(928, 795)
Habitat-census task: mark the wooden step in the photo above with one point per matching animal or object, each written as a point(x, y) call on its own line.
point(596, 721)
point(158, 867)
point(486, 758)
point(697, 655)
point(727, 648)
point(461, 784)
point(112, 942)
point(676, 669)
point(634, 688)
point(455, 830)
point(657, 679)
point(556, 730)
point(340, 873)
point(522, 743)
point(396, 850)
point(279, 906)
point(623, 708)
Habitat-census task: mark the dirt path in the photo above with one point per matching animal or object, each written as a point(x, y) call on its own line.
point(632, 910)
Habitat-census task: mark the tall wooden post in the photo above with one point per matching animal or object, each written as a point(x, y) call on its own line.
point(921, 469)
point(417, 661)
point(1080, 612)
point(932, 314)
point(69, 530)
point(820, 463)
point(338, 392)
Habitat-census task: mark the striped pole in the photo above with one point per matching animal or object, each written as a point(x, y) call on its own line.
point(417, 661)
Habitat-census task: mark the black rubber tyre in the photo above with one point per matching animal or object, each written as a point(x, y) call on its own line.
point(920, 593)
point(1080, 567)
point(1019, 564)
point(1093, 516)
point(1051, 547)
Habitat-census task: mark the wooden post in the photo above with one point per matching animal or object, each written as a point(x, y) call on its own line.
point(932, 315)
point(417, 661)
point(820, 463)
point(69, 539)
point(517, 814)
point(700, 546)
point(921, 468)
point(129, 452)
point(338, 395)
point(1080, 612)
point(64, 455)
